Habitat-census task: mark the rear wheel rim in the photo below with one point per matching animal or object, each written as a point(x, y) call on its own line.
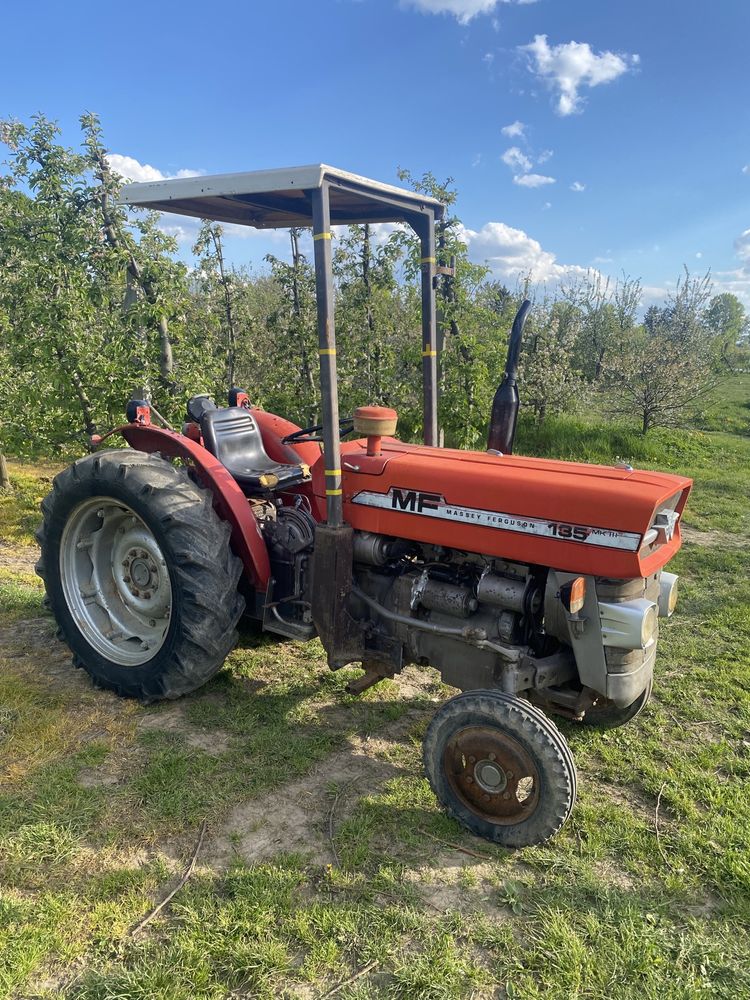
point(492, 774)
point(115, 581)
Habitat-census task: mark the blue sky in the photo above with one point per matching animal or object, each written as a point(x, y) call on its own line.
point(643, 107)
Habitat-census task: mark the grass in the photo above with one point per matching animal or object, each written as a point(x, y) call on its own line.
point(101, 801)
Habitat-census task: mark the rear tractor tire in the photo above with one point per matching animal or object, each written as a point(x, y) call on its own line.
point(139, 574)
point(500, 767)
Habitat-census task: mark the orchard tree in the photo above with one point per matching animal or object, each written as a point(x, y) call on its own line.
point(607, 315)
point(473, 323)
point(292, 360)
point(727, 319)
point(662, 370)
point(550, 381)
point(371, 321)
point(220, 286)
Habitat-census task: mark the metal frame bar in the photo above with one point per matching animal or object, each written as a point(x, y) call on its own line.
point(321, 212)
point(425, 229)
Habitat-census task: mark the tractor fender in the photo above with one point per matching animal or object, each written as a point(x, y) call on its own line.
point(230, 501)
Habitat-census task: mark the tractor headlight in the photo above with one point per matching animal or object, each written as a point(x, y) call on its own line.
point(628, 625)
point(667, 594)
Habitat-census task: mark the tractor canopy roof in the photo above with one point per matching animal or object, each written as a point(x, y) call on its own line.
point(272, 199)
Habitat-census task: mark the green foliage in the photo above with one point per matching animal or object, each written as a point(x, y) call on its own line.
point(660, 370)
point(94, 308)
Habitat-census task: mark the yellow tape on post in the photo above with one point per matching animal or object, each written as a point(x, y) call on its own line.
point(428, 260)
point(429, 354)
point(322, 236)
point(334, 493)
point(327, 350)
point(333, 472)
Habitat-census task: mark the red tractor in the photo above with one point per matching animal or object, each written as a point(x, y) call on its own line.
point(532, 585)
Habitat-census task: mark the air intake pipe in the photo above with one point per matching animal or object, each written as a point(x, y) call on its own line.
point(504, 416)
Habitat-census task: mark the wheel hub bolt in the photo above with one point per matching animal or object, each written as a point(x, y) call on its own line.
point(472, 760)
point(506, 795)
point(491, 756)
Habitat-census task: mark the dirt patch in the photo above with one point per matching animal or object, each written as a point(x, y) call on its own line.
point(172, 720)
point(18, 558)
point(94, 777)
point(34, 640)
point(457, 881)
point(613, 875)
point(712, 538)
point(295, 817)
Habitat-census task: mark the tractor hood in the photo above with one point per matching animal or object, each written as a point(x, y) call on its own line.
point(589, 519)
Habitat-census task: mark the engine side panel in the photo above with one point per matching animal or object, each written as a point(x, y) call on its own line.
point(578, 518)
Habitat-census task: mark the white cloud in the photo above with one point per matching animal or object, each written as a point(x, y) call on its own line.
point(511, 254)
point(516, 160)
point(532, 180)
point(521, 165)
point(746, 169)
point(514, 130)
point(577, 186)
point(462, 10)
point(132, 170)
point(568, 67)
point(699, 255)
point(742, 248)
point(545, 155)
point(737, 281)
point(476, 160)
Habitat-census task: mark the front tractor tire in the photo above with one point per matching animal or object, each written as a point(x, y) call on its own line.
point(500, 767)
point(604, 714)
point(139, 574)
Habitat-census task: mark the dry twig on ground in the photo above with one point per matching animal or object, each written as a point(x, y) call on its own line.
point(185, 876)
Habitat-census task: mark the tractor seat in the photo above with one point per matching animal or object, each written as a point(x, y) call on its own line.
point(233, 436)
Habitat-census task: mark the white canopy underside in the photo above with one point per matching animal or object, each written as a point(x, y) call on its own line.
point(272, 199)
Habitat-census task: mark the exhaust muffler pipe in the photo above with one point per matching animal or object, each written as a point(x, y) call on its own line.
point(505, 405)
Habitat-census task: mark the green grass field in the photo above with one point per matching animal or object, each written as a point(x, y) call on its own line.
point(327, 868)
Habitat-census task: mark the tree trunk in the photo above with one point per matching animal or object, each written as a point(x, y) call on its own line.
point(375, 357)
point(599, 365)
point(140, 344)
point(87, 410)
point(113, 237)
point(4, 477)
point(228, 311)
point(166, 361)
point(307, 374)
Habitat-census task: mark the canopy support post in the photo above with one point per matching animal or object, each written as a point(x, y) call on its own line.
point(321, 217)
point(425, 228)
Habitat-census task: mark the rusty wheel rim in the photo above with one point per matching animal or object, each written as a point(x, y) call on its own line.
point(492, 774)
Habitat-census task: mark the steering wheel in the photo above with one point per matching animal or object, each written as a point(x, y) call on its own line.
point(310, 434)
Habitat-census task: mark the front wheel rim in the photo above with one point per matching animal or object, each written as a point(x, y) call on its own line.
point(115, 581)
point(492, 774)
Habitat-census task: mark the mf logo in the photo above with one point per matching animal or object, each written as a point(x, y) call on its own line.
point(414, 501)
